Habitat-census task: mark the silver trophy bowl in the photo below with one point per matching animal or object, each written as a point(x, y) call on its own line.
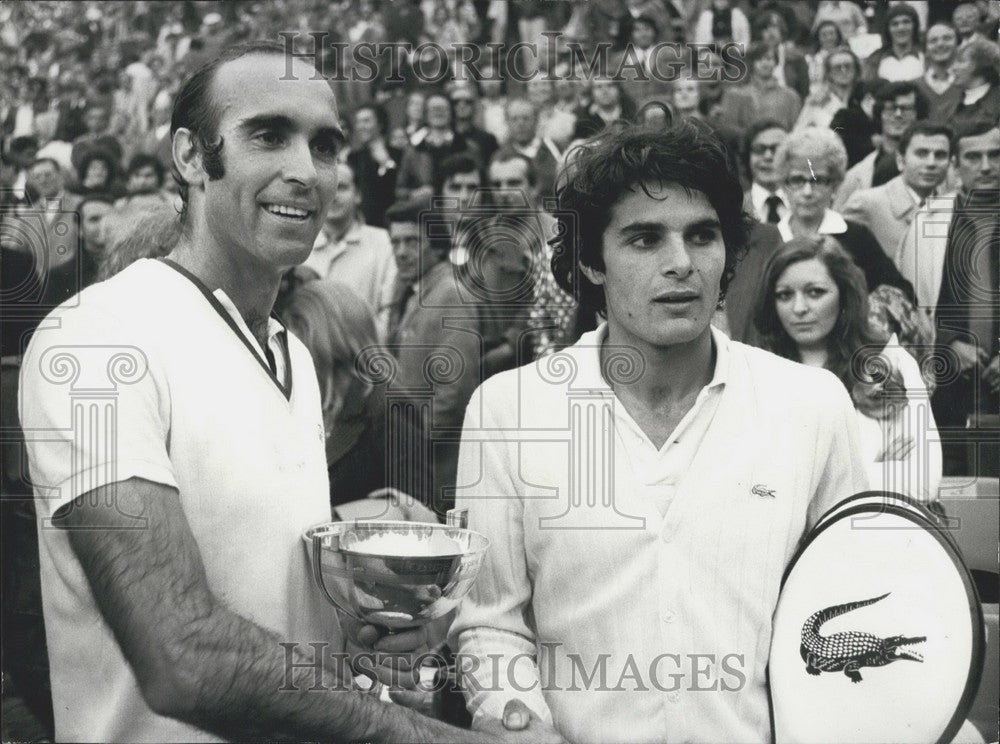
point(396, 575)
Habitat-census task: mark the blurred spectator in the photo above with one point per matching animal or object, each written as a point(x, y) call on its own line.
point(811, 164)
point(156, 141)
point(502, 257)
point(766, 199)
point(977, 73)
point(791, 69)
point(145, 179)
point(22, 153)
point(463, 103)
point(353, 253)
point(897, 106)
point(514, 180)
point(899, 58)
point(460, 179)
point(425, 347)
point(848, 16)
point(855, 124)
point(152, 233)
point(968, 306)
point(97, 121)
point(66, 279)
point(98, 174)
point(493, 104)
point(375, 164)
point(609, 103)
point(722, 23)
point(763, 96)
point(336, 326)
point(555, 123)
point(431, 145)
point(841, 72)
point(636, 62)
point(544, 155)
point(967, 19)
point(826, 38)
point(938, 83)
point(887, 210)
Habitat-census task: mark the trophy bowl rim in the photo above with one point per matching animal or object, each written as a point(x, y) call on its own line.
point(310, 534)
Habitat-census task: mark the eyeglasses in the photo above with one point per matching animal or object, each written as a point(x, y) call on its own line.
point(799, 182)
point(842, 66)
point(763, 149)
point(898, 110)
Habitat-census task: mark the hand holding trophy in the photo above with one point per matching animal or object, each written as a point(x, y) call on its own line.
point(396, 577)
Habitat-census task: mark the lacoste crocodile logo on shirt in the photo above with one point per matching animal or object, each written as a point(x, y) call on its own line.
point(762, 491)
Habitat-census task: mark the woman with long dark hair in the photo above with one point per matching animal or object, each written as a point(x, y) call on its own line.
point(813, 308)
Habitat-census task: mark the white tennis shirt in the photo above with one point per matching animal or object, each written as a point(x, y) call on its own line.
point(190, 405)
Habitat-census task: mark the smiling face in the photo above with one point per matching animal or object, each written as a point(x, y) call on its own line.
point(807, 301)
point(898, 114)
point(964, 70)
point(941, 43)
point(663, 261)
point(901, 30)
point(280, 162)
point(925, 162)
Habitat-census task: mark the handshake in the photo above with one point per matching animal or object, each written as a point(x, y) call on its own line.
point(398, 672)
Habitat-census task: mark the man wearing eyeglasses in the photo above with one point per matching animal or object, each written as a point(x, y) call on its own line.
point(767, 200)
point(897, 106)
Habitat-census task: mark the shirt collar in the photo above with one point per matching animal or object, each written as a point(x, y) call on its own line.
point(975, 93)
point(759, 196)
point(274, 327)
point(915, 196)
point(531, 150)
point(832, 224)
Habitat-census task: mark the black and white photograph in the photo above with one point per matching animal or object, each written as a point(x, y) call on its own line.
point(525, 371)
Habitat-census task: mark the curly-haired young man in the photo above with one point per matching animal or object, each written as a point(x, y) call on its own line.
point(645, 488)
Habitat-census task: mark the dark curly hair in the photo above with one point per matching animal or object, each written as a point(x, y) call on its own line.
point(600, 171)
point(851, 334)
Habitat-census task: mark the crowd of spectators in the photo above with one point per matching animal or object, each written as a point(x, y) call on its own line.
point(854, 124)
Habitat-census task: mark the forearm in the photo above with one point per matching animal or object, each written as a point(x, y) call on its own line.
point(195, 659)
point(247, 685)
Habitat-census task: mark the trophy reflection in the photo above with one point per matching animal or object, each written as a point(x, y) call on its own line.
point(395, 575)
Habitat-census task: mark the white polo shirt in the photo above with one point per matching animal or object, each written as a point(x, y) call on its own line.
point(668, 612)
point(150, 376)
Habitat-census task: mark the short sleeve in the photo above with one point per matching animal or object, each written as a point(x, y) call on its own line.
point(93, 405)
